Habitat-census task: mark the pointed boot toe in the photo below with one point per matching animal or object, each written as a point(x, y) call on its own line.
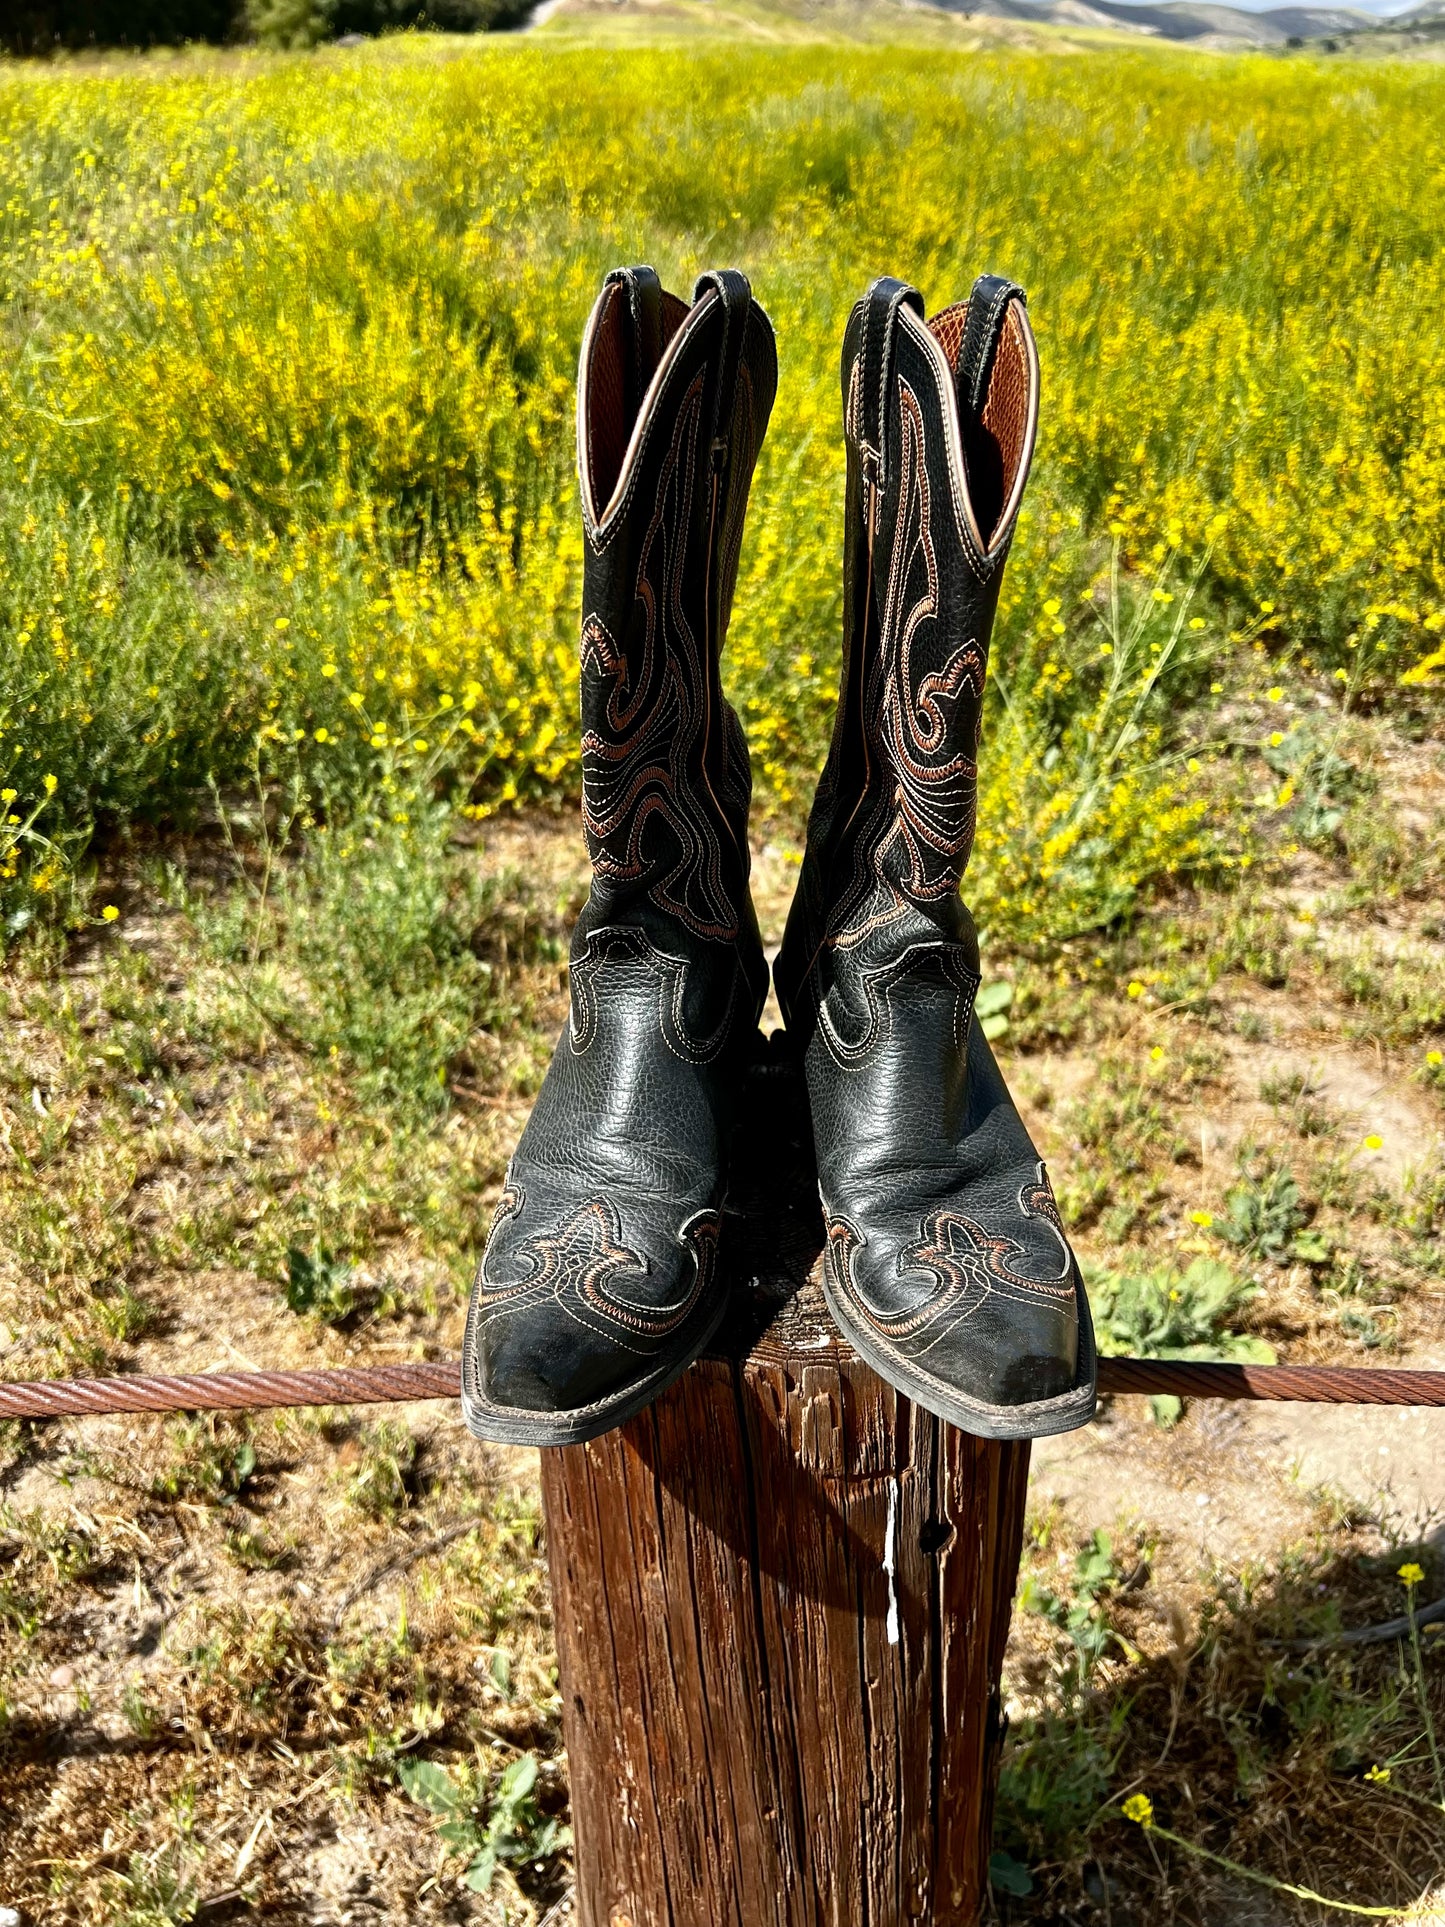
point(583, 1313)
point(957, 1281)
point(948, 1267)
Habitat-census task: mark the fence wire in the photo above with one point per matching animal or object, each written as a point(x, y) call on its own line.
point(48, 1398)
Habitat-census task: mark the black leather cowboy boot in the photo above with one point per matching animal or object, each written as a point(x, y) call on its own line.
point(946, 1263)
point(599, 1282)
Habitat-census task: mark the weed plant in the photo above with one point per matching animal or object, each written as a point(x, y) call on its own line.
point(1239, 1741)
point(496, 1826)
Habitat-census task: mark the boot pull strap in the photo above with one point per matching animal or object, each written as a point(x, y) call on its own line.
point(987, 307)
point(735, 292)
point(643, 291)
point(880, 321)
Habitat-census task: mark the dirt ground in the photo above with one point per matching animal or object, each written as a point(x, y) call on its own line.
point(221, 1641)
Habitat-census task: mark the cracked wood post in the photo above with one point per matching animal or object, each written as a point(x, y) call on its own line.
point(782, 1596)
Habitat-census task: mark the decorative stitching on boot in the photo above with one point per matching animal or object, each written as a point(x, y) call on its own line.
point(648, 764)
point(950, 1245)
point(586, 1257)
point(670, 974)
point(967, 1263)
point(984, 558)
point(878, 981)
point(927, 824)
point(614, 516)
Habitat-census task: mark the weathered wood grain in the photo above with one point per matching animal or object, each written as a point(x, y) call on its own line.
point(781, 1597)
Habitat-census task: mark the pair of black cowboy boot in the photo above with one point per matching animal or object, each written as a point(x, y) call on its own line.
point(946, 1264)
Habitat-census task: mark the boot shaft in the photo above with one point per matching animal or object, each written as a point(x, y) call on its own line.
point(939, 420)
point(672, 405)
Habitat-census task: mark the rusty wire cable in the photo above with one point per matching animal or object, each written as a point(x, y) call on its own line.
point(1313, 1384)
point(228, 1391)
point(376, 1384)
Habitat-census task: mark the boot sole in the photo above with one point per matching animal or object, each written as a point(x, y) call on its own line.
point(1040, 1419)
point(515, 1425)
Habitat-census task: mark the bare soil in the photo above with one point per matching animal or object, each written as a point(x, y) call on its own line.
point(218, 1639)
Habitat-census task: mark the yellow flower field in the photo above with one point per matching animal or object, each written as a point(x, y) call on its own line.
point(286, 368)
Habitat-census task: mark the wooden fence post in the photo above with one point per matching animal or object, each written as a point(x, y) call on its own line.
point(782, 1596)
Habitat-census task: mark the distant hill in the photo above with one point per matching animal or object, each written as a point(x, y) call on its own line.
point(1199, 21)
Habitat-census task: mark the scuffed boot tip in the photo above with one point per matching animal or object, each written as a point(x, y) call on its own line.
point(1032, 1419)
point(517, 1425)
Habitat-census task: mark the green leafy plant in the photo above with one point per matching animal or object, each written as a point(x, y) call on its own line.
point(1293, 1096)
point(1081, 1612)
point(1266, 1218)
point(381, 1484)
point(991, 1006)
point(319, 1287)
point(156, 1891)
point(1058, 1764)
point(1171, 1314)
point(496, 1824)
point(123, 1314)
point(286, 24)
point(208, 1463)
point(1055, 1776)
point(1007, 1875)
point(1091, 794)
point(250, 1549)
point(362, 952)
point(1318, 781)
point(142, 1718)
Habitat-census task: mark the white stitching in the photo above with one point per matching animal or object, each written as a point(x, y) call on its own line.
point(985, 561)
point(878, 982)
point(665, 970)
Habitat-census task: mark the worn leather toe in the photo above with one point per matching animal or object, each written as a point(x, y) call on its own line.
point(581, 1304)
point(977, 1294)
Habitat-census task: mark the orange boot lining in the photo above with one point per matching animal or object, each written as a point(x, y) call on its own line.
point(993, 444)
